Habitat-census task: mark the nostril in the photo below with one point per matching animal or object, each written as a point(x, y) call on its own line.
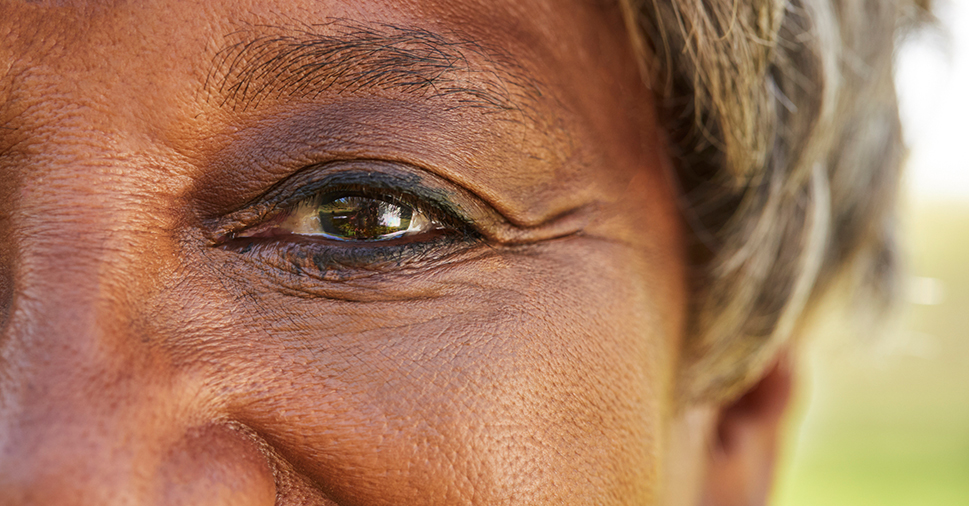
point(216, 464)
point(290, 487)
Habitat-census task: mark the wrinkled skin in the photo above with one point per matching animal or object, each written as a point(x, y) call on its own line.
point(147, 357)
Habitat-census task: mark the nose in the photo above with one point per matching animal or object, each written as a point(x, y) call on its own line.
point(93, 413)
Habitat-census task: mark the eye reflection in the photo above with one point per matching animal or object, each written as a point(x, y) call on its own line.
point(348, 217)
point(362, 218)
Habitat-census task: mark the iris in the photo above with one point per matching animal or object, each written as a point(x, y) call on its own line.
point(361, 218)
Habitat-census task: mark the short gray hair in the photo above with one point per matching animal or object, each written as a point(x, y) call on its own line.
point(785, 132)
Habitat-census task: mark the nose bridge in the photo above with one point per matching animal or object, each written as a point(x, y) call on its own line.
point(66, 328)
point(72, 263)
point(74, 379)
point(79, 384)
point(93, 411)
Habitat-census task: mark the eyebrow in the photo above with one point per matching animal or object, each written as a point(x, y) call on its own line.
point(273, 62)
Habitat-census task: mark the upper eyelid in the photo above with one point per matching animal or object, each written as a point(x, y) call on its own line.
point(399, 180)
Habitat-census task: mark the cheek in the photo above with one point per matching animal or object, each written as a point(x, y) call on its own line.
point(540, 376)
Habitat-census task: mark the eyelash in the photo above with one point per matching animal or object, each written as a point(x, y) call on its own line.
point(302, 254)
point(338, 262)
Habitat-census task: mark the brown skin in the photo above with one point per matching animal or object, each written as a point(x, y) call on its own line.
point(149, 358)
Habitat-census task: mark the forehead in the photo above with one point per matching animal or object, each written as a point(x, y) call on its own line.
point(140, 49)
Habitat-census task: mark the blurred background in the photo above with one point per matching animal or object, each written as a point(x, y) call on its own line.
point(884, 420)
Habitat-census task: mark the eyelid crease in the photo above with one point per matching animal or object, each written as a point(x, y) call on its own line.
point(563, 225)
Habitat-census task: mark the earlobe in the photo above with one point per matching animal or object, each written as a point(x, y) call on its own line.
point(743, 450)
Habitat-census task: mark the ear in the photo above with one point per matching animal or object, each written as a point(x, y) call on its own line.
point(743, 449)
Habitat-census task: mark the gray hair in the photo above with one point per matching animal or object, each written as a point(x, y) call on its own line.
point(785, 132)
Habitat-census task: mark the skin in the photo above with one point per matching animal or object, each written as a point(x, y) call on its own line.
point(148, 358)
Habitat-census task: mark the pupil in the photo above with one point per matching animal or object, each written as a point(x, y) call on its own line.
point(364, 218)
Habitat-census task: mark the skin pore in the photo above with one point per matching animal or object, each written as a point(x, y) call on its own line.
point(154, 350)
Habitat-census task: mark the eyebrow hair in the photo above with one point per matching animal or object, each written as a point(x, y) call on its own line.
point(305, 62)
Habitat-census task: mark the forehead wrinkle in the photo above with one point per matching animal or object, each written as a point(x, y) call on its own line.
point(270, 62)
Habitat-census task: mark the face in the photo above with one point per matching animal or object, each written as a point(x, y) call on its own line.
point(325, 252)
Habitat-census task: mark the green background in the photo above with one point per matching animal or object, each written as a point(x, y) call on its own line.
point(882, 418)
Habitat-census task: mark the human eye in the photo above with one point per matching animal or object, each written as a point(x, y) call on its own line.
point(352, 216)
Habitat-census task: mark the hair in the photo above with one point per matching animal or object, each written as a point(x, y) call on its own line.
point(784, 128)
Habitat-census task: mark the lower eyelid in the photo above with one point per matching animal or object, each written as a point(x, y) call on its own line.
point(322, 258)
